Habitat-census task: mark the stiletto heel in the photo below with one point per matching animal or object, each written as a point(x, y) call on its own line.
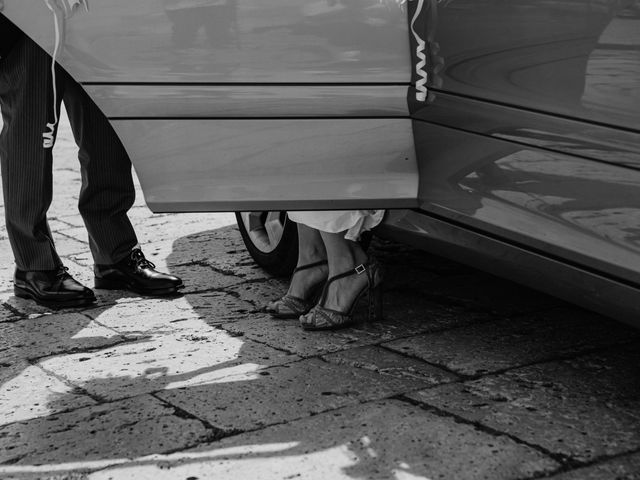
point(323, 318)
point(290, 306)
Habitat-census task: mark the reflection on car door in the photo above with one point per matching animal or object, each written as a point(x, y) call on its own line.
point(533, 133)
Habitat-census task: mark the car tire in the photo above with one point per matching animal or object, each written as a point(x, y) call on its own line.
point(271, 239)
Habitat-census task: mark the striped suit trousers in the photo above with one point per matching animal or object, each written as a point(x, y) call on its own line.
point(107, 191)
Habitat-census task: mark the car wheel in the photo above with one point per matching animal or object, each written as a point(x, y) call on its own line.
point(271, 239)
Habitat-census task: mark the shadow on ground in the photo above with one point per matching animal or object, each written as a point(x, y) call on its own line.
point(207, 386)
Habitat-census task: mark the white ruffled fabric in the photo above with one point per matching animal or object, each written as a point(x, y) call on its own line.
point(354, 222)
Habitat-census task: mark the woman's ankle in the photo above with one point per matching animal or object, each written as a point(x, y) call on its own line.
point(310, 256)
point(348, 259)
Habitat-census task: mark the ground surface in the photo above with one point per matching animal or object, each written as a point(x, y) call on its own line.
point(467, 377)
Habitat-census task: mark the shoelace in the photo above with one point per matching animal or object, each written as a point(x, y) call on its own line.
point(138, 258)
point(62, 271)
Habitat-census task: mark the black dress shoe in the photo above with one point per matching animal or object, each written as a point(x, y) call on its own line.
point(137, 274)
point(52, 288)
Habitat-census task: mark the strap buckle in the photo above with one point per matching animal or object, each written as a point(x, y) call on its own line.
point(360, 269)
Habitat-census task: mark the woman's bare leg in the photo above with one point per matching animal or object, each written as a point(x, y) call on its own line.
point(343, 255)
point(310, 250)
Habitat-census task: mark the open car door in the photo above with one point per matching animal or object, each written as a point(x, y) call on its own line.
point(243, 105)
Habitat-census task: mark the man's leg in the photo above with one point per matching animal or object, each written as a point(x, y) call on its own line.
point(107, 195)
point(27, 106)
point(26, 98)
point(107, 191)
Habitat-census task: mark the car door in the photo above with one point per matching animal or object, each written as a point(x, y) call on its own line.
point(531, 136)
point(246, 104)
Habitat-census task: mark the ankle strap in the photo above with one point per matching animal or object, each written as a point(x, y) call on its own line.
point(357, 270)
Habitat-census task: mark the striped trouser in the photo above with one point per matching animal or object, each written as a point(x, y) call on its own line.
point(107, 191)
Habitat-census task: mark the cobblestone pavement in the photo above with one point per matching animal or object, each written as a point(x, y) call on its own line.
point(467, 377)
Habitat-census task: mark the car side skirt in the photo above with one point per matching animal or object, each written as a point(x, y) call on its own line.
point(612, 297)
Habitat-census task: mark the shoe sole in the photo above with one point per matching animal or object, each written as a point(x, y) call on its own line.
point(286, 316)
point(24, 293)
point(105, 284)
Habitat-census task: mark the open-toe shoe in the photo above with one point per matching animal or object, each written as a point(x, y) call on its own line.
point(290, 306)
point(323, 318)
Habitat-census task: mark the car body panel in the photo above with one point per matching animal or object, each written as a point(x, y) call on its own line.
point(301, 163)
point(574, 137)
point(532, 133)
point(568, 57)
point(347, 62)
point(572, 282)
point(256, 42)
point(574, 208)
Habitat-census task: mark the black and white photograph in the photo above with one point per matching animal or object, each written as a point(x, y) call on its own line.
point(320, 240)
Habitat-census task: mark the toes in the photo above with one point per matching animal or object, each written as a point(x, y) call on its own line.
point(274, 306)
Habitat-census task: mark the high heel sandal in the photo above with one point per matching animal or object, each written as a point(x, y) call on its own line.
point(322, 318)
point(290, 306)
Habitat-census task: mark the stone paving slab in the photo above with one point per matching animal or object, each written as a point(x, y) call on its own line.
point(373, 441)
point(285, 393)
point(77, 234)
point(27, 391)
point(488, 347)
point(216, 308)
point(160, 314)
point(61, 218)
point(151, 229)
point(6, 263)
point(487, 293)
point(65, 245)
point(6, 281)
point(626, 467)
point(142, 315)
point(405, 314)
point(9, 356)
point(402, 276)
point(26, 308)
point(287, 335)
point(157, 228)
point(259, 294)
point(10, 336)
point(7, 315)
point(385, 362)
point(184, 356)
point(112, 431)
point(221, 248)
point(584, 408)
point(199, 278)
point(416, 263)
point(59, 225)
point(48, 335)
point(401, 319)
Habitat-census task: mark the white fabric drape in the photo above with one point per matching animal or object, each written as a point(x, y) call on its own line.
point(354, 222)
